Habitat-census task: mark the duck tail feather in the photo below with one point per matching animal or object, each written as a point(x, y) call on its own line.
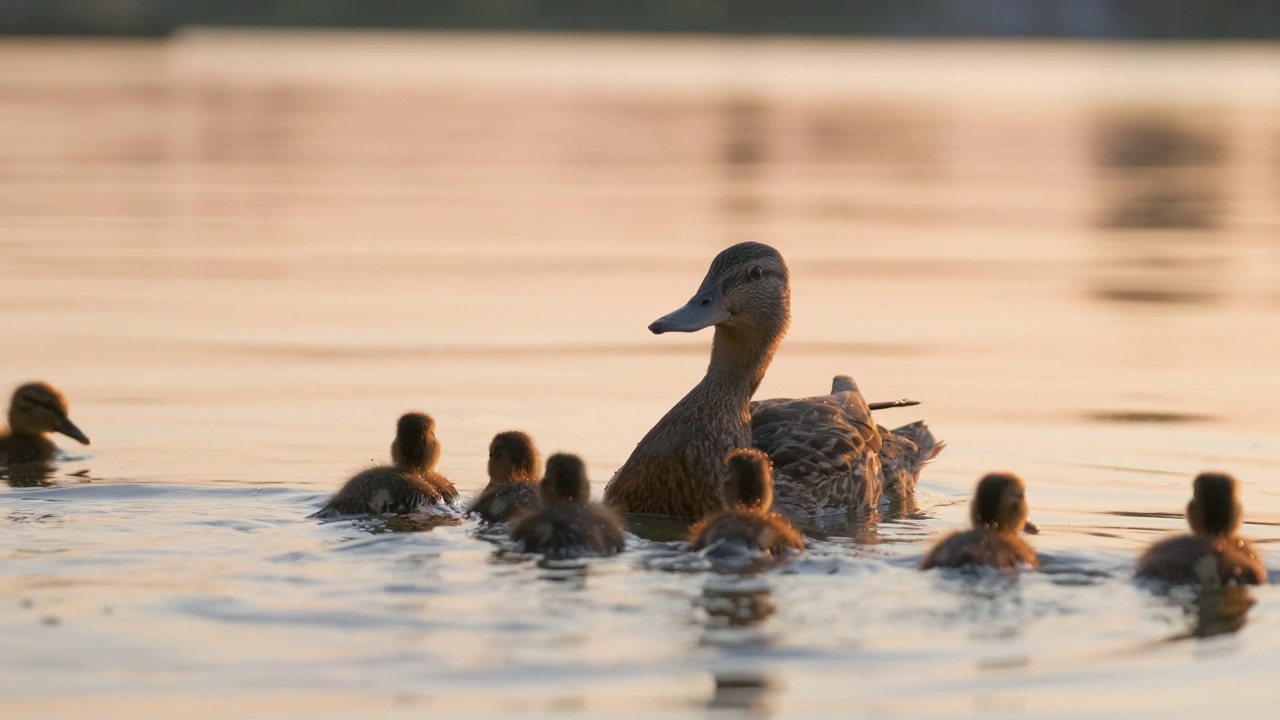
point(927, 445)
point(843, 383)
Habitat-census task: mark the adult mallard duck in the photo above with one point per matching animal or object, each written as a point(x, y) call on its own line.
point(825, 450)
point(1213, 555)
point(568, 524)
point(513, 478)
point(747, 520)
point(36, 410)
point(409, 484)
point(998, 513)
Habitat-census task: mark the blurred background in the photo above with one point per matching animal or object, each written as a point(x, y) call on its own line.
point(244, 236)
point(1016, 211)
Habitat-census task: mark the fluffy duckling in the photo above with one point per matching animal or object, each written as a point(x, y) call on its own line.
point(403, 487)
point(36, 410)
point(513, 478)
point(998, 513)
point(1213, 555)
point(567, 525)
point(747, 520)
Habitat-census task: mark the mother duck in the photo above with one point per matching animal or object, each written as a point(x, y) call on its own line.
point(828, 455)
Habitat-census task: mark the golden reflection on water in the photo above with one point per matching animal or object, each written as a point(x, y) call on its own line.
point(242, 256)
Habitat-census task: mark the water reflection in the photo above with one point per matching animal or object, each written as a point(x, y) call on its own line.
point(1214, 612)
point(1161, 205)
point(29, 474)
point(744, 693)
point(738, 603)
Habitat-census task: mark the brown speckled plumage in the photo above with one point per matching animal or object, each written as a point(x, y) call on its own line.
point(824, 449)
point(998, 513)
point(513, 479)
point(748, 521)
point(1213, 555)
point(36, 410)
point(403, 488)
point(568, 524)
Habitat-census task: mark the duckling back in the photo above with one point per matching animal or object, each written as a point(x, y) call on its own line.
point(1196, 560)
point(409, 485)
point(981, 547)
point(567, 525)
point(1213, 556)
point(747, 522)
point(998, 513)
point(513, 481)
point(389, 490)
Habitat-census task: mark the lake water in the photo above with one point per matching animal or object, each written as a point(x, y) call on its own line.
point(242, 256)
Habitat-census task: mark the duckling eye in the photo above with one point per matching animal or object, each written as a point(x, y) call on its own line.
point(757, 272)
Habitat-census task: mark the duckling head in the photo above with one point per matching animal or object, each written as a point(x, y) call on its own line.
point(512, 455)
point(746, 291)
point(1214, 508)
point(750, 483)
point(38, 408)
point(415, 447)
point(1000, 503)
point(565, 481)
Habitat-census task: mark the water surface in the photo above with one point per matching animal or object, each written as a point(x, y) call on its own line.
point(242, 256)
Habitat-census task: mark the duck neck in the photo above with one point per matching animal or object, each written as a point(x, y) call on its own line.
point(738, 364)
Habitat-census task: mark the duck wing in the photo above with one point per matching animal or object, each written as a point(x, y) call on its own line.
point(823, 450)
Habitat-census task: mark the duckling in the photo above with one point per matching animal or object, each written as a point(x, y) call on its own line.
point(998, 513)
point(403, 487)
point(747, 520)
point(1213, 555)
point(567, 525)
point(823, 448)
point(36, 410)
point(513, 478)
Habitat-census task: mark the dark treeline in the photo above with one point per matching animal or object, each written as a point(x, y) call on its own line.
point(1127, 19)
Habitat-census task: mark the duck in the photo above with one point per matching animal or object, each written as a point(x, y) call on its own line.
point(1213, 555)
point(513, 479)
point(998, 513)
point(813, 443)
point(747, 521)
point(408, 484)
point(36, 409)
point(824, 449)
point(568, 524)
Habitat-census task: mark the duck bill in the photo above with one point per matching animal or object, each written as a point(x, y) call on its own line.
point(703, 311)
point(68, 428)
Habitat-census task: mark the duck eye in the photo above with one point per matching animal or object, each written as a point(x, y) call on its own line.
point(757, 272)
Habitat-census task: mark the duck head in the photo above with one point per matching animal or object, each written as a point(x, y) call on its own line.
point(750, 483)
point(1000, 503)
point(1214, 509)
point(415, 447)
point(38, 408)
point(565, 481)
point(746, 291)
point(512, 455)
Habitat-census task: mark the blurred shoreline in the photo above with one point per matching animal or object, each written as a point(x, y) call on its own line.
point(1129, 19)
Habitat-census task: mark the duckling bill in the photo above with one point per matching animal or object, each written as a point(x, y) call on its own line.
point(36, 410)
point(747, 522)
point(407, 485)
point(567, 525)
point(998, 513)
point(1213, 555)
point(513, 479)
